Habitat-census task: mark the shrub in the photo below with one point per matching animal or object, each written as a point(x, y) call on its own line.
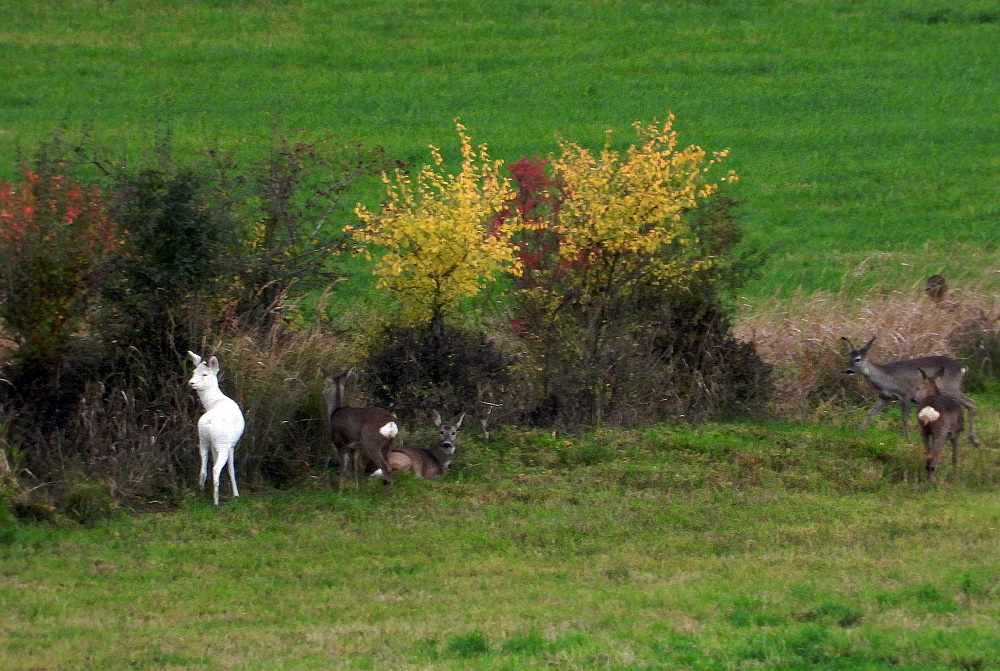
point(177, 265)
point(415, 369)
point(199, 256)
point(625, 260)
point(439, 244)
point(977, 343)
point(289, 204)
point(54, 237)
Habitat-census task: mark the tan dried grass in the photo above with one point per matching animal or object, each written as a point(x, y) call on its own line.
point(801, 337)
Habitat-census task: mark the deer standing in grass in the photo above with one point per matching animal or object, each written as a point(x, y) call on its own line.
point(430, 463)
point(220, 428)
point(357, 431)
point(899, 381)
point(940, 419)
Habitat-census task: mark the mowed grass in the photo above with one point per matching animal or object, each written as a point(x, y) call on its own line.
point(864, 132)
point(720, 547)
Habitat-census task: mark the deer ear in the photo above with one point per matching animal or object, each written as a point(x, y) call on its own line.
point(868, 346)
point(437, 417)
point(213, 363)
point(458, 424)
point(847, 343)
point(194, 357)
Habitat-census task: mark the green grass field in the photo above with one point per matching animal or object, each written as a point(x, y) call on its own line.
point(728, 546)
point(866, 137)
point(864, 132)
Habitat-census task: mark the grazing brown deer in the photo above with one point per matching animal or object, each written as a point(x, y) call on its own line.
point(940, 419)
point(357, 431)
point(430, 463)
point(899, 380)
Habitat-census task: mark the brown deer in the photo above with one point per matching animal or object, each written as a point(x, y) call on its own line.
point(430, 463)
point(940, 419)
point(357, 431)
point(899, 381)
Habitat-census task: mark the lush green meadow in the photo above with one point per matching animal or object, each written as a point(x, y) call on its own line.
point(864, 132)
point(866, 138)
point(729, 546)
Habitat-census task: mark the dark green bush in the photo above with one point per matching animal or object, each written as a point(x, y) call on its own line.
point(413, 370)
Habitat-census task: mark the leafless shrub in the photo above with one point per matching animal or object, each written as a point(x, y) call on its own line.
point(274, 376)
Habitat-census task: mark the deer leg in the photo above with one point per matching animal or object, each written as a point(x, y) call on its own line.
point(345, 461)
point(232, 471)
point(927, 453)
point(970, 405)
point(380, 457)
point(203, 473)
point(217, 465)
point(931, 458)
point(904, 411)
point(877, 408)
point(954, 451)
point(356, 456)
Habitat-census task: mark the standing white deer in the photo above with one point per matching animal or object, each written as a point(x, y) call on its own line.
point(900, 380)
point(220, 428)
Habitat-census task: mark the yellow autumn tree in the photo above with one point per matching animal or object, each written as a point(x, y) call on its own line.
point(608, 244)
point(619, 224)
point(439, 233)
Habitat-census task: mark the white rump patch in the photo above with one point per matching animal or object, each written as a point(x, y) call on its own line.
point(377, 473)
point(928, 415)
point(389, 430)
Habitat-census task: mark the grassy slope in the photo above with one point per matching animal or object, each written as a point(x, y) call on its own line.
point(729, 546)
point(864, 131)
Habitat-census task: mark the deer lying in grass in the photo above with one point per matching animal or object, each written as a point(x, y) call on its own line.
point(430, 463)
point(219, 428)
point(357, 431)
point(940, 419)
point(899, 381)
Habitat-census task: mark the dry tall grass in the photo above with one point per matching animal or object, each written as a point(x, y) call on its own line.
point(801, 337)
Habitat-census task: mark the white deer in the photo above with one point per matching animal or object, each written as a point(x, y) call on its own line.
point(219, 428)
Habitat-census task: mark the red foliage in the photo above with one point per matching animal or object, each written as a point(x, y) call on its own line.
point(54, 236)
point(44, 202)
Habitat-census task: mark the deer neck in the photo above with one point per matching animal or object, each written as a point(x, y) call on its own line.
point(210, 397)
point(443, 457)
point(334, 400)
point(878, 375)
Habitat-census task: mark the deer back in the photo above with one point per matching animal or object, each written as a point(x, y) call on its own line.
point(367, 426)
point(908, 373)
point(422, 463)
point(936, 410)
point(902, 379)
